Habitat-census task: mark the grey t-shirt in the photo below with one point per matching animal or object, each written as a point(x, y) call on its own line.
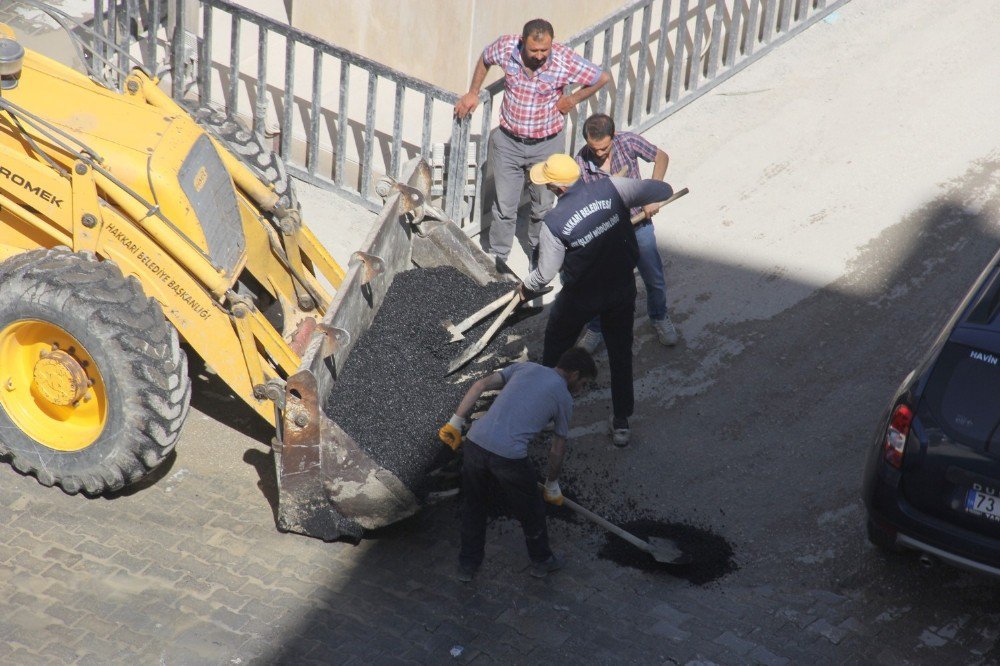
point(532, 395)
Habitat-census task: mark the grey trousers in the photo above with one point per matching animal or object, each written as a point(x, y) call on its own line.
point(511, 161)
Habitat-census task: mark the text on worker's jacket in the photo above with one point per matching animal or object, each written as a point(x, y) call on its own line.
point(595, 232)
point(578, 216)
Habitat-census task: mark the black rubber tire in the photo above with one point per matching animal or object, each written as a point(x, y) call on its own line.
point(138, 356)
point(879, 538)
point(251, 148)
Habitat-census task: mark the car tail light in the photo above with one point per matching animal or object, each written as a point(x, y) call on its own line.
point(895, 436)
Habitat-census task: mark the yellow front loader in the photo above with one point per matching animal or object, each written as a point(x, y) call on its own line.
point(126, 229)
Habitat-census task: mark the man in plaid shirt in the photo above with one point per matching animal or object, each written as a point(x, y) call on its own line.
point(532, 116)
point(616, 154)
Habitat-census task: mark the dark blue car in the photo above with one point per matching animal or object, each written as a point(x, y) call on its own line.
point(932, 482)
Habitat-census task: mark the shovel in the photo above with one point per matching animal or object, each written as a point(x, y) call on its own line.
point(514, 299)
point(664, 551)
point(458, 330)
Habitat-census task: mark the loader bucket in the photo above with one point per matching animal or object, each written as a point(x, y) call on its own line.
point(328, 486)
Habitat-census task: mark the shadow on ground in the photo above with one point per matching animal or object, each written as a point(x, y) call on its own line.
point(768, 452)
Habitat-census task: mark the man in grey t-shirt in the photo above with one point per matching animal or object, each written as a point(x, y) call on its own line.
point(496, 448)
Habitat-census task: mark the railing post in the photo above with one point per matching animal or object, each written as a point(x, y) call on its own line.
point(660, 64)
point(451, 171)
point(732, 40)
point(425, 130)
point(177, 64)
point(713, 49)
point(369, 147)
point(205, 59)
point(623, 70)
point(343, 124)
point(676, 74)
point(315, 114)
point(699, 33)
point(639, 110)
point(769, 19)
point(602, 94)
point(152, 28)
point(476, 213)
point(260, 104)
point(752, 29)
point(285, 144)
point(397, 131)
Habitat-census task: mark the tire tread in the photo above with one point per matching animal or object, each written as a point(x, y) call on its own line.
point(156, 389)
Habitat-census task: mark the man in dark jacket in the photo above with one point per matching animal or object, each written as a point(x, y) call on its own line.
point(589, 239)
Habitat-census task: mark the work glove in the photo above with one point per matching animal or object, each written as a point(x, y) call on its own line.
point(451, 432)
point(552, 493)
point(530, 294)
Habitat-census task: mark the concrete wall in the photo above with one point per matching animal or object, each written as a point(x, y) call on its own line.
point(436, 40)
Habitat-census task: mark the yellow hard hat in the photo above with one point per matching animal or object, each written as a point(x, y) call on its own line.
point(559, 169)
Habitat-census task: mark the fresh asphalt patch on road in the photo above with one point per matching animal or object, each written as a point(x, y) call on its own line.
point(711, 554)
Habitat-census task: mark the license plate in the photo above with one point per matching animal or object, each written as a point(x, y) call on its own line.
point(983, 504)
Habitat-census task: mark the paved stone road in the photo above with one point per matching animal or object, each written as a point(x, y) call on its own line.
point(758, 435)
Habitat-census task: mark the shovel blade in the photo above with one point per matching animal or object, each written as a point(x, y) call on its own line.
point(666, 551)
point(465, 357)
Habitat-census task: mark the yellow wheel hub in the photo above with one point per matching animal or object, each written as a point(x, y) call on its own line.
point(51, 388)
point(60, 379)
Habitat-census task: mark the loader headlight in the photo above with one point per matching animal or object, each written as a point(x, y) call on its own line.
point(11, 60)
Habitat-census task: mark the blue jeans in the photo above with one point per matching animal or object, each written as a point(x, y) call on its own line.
point(650, 267)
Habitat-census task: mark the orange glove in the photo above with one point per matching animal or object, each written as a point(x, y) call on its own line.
point(451, 432)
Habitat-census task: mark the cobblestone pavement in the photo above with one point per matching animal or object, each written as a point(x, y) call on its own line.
point(760, 439)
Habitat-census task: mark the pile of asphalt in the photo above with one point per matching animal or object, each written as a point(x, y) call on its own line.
point(392, 394)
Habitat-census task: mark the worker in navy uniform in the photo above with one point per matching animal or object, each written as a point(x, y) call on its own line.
point(588, 238)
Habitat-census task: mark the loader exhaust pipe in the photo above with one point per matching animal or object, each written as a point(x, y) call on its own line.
point(11, 61)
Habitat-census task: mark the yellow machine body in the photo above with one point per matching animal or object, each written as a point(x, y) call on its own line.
point(132, 178)
point(133, 187)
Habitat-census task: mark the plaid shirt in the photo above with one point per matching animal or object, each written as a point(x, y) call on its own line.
point(529, 102)
point(626, 148)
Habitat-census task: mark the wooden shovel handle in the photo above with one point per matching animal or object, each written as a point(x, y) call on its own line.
point(467, 323)
point(639, 217)
point(606, 524)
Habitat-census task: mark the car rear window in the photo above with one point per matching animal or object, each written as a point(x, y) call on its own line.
point(963, 393)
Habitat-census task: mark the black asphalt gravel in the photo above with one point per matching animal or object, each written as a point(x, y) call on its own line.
point(392, 395)
point(711, 555)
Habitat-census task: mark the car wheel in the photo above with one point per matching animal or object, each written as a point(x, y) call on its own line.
point(880, 538)
point(93, 382)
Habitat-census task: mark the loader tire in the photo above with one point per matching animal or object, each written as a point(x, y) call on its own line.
point(251, 148)
point(93, 382)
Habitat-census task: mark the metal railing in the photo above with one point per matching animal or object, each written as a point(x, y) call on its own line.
point(324, 110)
point(662, 54)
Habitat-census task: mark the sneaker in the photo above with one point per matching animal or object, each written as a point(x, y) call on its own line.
point(590, 340)
point(545, 567)
point(665, 331)
point(620, 432)
point(466, 573)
